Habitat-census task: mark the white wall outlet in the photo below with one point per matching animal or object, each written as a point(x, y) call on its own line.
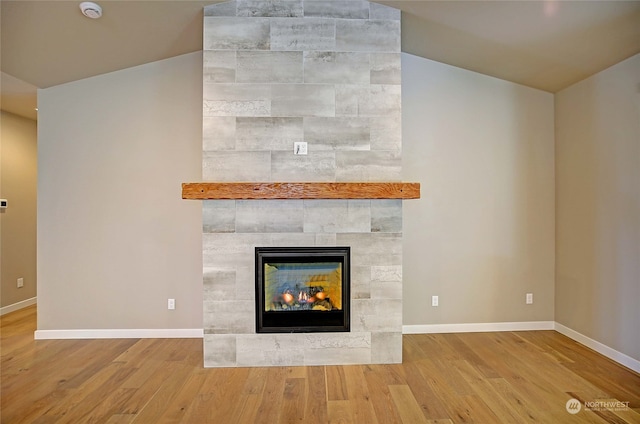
point(299, 147)
point(20, 282)
point(529, 298)
point(434, 300)
point(171, 304)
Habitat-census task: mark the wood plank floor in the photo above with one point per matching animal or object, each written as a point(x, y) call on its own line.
point(510, 377)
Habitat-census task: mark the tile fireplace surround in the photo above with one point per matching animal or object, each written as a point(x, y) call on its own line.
point(326, 73)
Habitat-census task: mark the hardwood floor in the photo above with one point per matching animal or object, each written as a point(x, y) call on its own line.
point(510, 377)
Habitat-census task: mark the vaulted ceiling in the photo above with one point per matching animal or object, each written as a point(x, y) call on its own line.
point(544, 44)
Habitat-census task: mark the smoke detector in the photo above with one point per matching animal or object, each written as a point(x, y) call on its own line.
point(90, 9)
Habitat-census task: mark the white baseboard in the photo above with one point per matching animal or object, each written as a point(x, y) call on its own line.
point(603, 349)
point(17, 306)
point(178, 333)
point(478, 327)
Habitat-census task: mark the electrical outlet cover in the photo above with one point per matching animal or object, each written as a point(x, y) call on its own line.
point(299, 148)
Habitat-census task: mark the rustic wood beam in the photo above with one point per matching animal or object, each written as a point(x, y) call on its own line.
point(300, 190)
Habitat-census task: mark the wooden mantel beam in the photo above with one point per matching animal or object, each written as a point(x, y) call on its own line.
point(300, 190)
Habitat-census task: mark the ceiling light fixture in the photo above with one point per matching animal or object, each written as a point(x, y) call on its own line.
point(90, 9)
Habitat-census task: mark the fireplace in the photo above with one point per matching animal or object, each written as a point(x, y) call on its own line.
point(302, 289)
point(276, 73)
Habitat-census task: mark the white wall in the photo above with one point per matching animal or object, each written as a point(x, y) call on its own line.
point(598, 207)
point(115, 239)
point(482, 235)
point(18, 176)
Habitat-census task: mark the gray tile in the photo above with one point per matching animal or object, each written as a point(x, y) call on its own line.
point(223, 253)
point(386, 68)
point(270, 350)
point(336, 68)
point(298, 34)
point(227, 8)
point(368, 166)
point(236, 99)
point(268, 342)
point(268, 133)
point(303, 100)
point(245, 282)
point(229, 33)
point(270, 8)
point(218, 284)
point(386, 216)
point(218, 133)
point(229, 307)
point(218, 216)
point(236, 166)
point(324, 239)
point(349, 98)
point(380, 11)
point(219, 350)
point(278, 358)
point(237, 92)
point(377, 315)
point(360, 282)
point(375, 249)
point(386, 282)
point(292, 239)
point(236, 108)
point(388, 273)
point(269, 66)
point(386, 348)
point(315, 166)
point(383, 100)
point(248, 132)
point(241, 322)
point(367, 36)
point(368, 100)
point(337, 356)
point(337, 216)
point(269, 216)
point(343, 133)
point(383, 322)
point(386, 132)
point(386, 290)
point(335, 340)
point(235, 252)
point(346, 9)
point(218, 66)
point(232, 252)
point(227, 316)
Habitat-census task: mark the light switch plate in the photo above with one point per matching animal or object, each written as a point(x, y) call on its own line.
point(299, 147)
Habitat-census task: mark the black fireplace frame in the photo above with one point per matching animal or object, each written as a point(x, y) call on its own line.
point(305, 321)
